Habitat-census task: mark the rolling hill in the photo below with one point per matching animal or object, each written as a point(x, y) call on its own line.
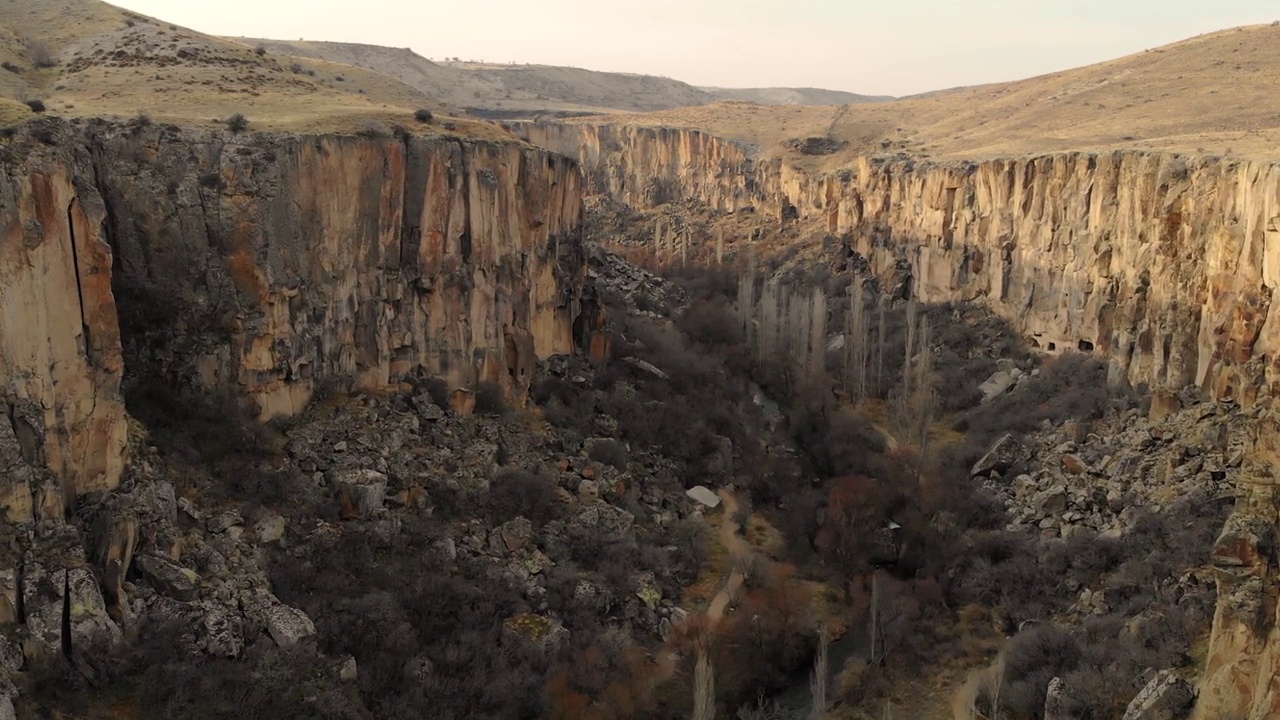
point(1218, 93)
point(511, 91)
point(85, 57)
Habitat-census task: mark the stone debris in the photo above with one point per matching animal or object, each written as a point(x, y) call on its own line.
point(1074, 476)
point(1167, 697)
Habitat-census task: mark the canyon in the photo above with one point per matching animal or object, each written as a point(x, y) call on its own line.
point(1165, 264)
point(354, 292)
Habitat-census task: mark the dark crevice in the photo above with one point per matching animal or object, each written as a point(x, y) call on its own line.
point(20, 583)
point(75, 263)
point(66, 614)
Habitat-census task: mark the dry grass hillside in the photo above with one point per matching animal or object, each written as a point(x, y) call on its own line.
point(1216, 94)
point(85, 57)
point(504, 89)
point(527, 90)
point(793, 96)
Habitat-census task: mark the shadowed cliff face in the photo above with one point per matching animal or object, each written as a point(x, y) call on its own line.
point(262, 268)
point(1166, 264)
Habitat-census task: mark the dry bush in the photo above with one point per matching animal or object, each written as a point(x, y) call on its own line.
point(41, 55)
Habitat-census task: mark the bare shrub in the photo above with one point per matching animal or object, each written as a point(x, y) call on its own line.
point(41, 54)
point(490, 399)
point(519, 492)
point(237, 123)
point(609, 452)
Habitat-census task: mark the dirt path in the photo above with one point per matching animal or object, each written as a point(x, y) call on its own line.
point(740, 557)
point(740, 554)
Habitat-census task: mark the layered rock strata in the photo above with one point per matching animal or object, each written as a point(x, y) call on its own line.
point(1166, 264)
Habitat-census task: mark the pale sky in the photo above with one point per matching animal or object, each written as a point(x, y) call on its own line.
point(889, 47)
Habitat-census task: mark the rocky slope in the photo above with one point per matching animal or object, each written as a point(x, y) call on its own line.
point(1164, 263)
point(261, 268)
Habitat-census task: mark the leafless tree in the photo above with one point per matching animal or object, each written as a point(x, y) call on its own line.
point(880, 341)
point(857, 341)
point(747, 301)
point(818, 682)
point(817, 334)
point(704, 688)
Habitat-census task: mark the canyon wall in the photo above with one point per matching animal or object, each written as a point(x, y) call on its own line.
point(1166, 264)
point(260, 269)
point(62, 425)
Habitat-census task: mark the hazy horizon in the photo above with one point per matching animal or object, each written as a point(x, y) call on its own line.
point(911, 47)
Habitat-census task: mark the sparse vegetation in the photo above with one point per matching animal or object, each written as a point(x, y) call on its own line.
point(237, 123)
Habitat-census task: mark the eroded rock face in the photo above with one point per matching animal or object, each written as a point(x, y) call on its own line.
point(1166, 264)
point(291, 262)
point(60, 362)
point(260, 268)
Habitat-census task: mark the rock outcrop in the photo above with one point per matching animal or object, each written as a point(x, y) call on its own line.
point(1167, 264)
point(262, 268)
point(1244, 651)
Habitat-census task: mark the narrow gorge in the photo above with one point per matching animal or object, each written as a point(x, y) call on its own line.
point(1166, 265)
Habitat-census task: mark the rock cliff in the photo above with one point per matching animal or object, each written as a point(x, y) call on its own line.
point(1167, 264)
point(63, 423)
point(262, 268)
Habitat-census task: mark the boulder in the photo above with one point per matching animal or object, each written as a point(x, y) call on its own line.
point(287, 625)
point(998, 384)
point(603, 523)
point(427, 408)
point(1058, 702)
point(514, 534)
point(363, 493)
point(1074, 465)
point(1167, 697)
point(46, 591)
point(1003, 455)
point(270, 528)
point(224, 521)
point(220, 633)
point(704, 496)
point(1051, 501)
point(169, 579)
point(588, 492)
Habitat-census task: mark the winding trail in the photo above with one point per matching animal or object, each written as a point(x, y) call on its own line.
point(740, 554)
